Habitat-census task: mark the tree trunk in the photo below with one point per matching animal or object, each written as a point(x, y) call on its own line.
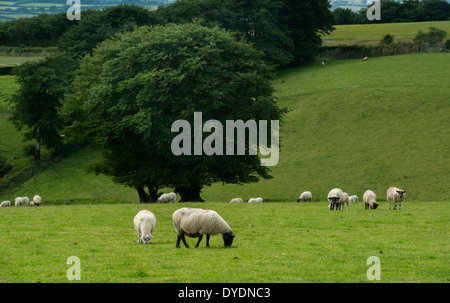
point(189, 194)
point(143, 197)
point(153, 190)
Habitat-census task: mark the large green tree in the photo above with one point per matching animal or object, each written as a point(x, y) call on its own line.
point(135, 85)
point(42, 84)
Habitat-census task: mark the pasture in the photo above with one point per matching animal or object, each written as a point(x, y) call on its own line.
point(275, 242)
point(373, 33)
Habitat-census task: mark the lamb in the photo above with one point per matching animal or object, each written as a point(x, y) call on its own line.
point(237, 200)
point(19, 201)
point(370, 199)
point(395, 194)
point(196, 222)
point(353, 198)
point(37, 200)
point(26, 201)
point(255, 200)
point(305, 196)
point(365, 58)
point(335, 196)
point(166, 198)
point(345, 199)
point(144, 223)
point(5, 203)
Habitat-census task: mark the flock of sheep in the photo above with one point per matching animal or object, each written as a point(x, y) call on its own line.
point(197, 222)
point(23, 201)
point(189, 222)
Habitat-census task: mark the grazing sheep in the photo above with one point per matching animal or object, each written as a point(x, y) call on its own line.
point(305, 196)
point(345, 199)
point(26, 201)
point(370, 200)
point(365, 58)
point(166, 198)
point(255, 200)
point(196, 222)
point(335, 196)
point(19, 201)
point(395, 194)
point(5, 203)
point(353, 198)
point(37, 200)
point(144, 223)
point(237, 200)
point(323, 63)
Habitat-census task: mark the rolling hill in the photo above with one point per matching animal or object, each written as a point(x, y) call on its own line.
point(352, 124)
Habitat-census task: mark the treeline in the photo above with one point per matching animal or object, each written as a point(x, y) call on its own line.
point(393, 12)
point(287, 31)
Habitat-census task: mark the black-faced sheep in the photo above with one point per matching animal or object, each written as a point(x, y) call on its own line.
point(370, 200)
point(196, 222)
point(395, 194)
point(335, 196)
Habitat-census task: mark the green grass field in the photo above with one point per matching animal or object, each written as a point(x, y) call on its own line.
point(275, 242)
point(373, 33)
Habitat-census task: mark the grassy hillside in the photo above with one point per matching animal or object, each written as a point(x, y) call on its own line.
point(355, 125)
point(373, 33)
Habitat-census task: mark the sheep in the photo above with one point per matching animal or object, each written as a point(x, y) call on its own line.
point(166, 198)
point(395, 194)
point(370, 200)
point(144, 223)
point(323, 63)
point(196, 222)
point(335, 196)
point(5, 203)
point(237, 200)
point(37, 200)
point(255, 200)
point(26, 201)
point(19, 201)
point(345, 199)
point(365, 58)
point(353, 198)
point(305, 196)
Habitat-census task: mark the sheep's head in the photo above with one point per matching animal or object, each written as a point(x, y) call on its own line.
point(146, 238)
point(375, 205)
point(401, 193)
point(228, 238)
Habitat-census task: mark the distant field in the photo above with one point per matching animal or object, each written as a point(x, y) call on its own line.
point(275, 242)
point(16, 60)
point(373, 33)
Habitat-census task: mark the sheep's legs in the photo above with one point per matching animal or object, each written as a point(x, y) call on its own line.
point(139, 237)
point(179, 238)
point(207, 240)
point(200, 237)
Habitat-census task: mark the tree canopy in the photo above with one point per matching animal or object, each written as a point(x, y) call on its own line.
point(136, 84)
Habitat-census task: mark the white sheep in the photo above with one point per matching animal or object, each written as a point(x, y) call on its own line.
point(237, 200)
point(353, 198)
point(305, 196)
point(19, 201)
point(323, 63)
point(26, 201)
point(166, 198)
point(395, 194)
point(255, 200)
point(345, 199)
point(335, 196)
point(144, 223)
point(365, 58)
point(5, 203)
point(37, 200)
point(196, 222)
point(370, 200)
